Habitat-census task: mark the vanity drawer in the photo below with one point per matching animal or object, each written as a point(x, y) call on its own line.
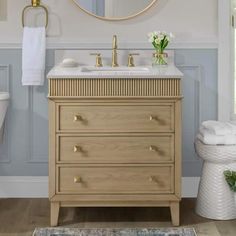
point(115, 180)
point(116, 149)
point(116, 118)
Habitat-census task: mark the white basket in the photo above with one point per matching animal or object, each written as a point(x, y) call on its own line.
point(215, 199)
point(216, 153)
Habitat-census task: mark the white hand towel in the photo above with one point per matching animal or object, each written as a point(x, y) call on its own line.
point(33, 56)
point(211, 139)
point(219, 128)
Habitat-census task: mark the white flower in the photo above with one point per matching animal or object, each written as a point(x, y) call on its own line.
point(156, 33)
point(156, 37)
point(157, 41)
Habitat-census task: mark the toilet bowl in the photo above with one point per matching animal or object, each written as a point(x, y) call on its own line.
point(4, 101)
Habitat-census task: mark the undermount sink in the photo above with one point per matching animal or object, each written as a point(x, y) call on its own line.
point(115, 70)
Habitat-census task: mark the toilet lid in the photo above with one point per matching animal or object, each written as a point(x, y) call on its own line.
point(4, 96)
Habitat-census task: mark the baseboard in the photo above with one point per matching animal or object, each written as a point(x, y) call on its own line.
point(23, 187)
point(37, 187)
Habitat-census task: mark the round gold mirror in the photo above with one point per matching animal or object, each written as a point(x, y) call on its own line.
point(114, 9)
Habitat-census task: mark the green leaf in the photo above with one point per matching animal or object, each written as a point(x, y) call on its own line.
point(230, 177)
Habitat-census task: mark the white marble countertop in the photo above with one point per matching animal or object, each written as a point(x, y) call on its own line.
point(83, 72)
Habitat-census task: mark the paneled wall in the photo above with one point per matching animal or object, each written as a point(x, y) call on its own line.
point(25, 148)
point(200, 99)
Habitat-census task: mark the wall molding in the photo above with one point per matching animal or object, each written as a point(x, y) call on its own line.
point(31, 157)
point(197, 91)
point(35, 159)
point(198, 83)
point(37, 187)
point(107, 45)
point(6, 68)
point(225, 62)
point(5, 83)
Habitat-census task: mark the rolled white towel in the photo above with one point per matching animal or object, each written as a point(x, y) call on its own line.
point(220, 128)
point(211, 139)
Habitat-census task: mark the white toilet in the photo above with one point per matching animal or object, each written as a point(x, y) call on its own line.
point(4, 102)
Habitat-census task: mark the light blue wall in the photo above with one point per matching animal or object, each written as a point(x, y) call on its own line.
point(200, 99)
point(25, 150)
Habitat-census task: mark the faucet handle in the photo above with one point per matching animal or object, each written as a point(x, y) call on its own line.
point(98, 59)
point(114, 42)
point(131, 59)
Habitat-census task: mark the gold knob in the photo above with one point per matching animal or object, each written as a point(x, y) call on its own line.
point(153, 118)
point(77, 149)
point(77, 179)
point(153, 148)
point(77, 118)
point(153, 179)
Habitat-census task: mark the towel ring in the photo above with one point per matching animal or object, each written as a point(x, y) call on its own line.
point(35, 4)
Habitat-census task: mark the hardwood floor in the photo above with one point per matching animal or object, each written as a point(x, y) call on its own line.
point(19, 217)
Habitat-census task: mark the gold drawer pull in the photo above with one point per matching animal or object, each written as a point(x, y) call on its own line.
point(77, 179)
point(153, 118)
point(77, 149)
point(153, 179)
point(78, 118)
point(153, 148)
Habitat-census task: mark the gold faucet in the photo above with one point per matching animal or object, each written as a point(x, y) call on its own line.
point(114, 52)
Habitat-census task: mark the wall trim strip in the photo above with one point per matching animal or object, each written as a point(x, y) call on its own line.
point(225, 62)
point(37, 187)
point(107, 45)
point(5, 86)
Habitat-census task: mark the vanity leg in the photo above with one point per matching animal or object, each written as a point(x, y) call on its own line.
point(55, 208)
point(174, 209)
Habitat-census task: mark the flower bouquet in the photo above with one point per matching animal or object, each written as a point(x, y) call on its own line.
point(160, 40)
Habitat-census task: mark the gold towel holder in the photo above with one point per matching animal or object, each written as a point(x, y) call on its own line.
point(34, 4)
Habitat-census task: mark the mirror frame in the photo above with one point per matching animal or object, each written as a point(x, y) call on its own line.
point(115, 18)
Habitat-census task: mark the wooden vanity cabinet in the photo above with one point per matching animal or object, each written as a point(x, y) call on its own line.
point(115, 143)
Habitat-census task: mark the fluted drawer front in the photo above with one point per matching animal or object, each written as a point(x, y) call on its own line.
point(115, 149)
point(116, 118)
point(115, 180)
point(114, 87)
